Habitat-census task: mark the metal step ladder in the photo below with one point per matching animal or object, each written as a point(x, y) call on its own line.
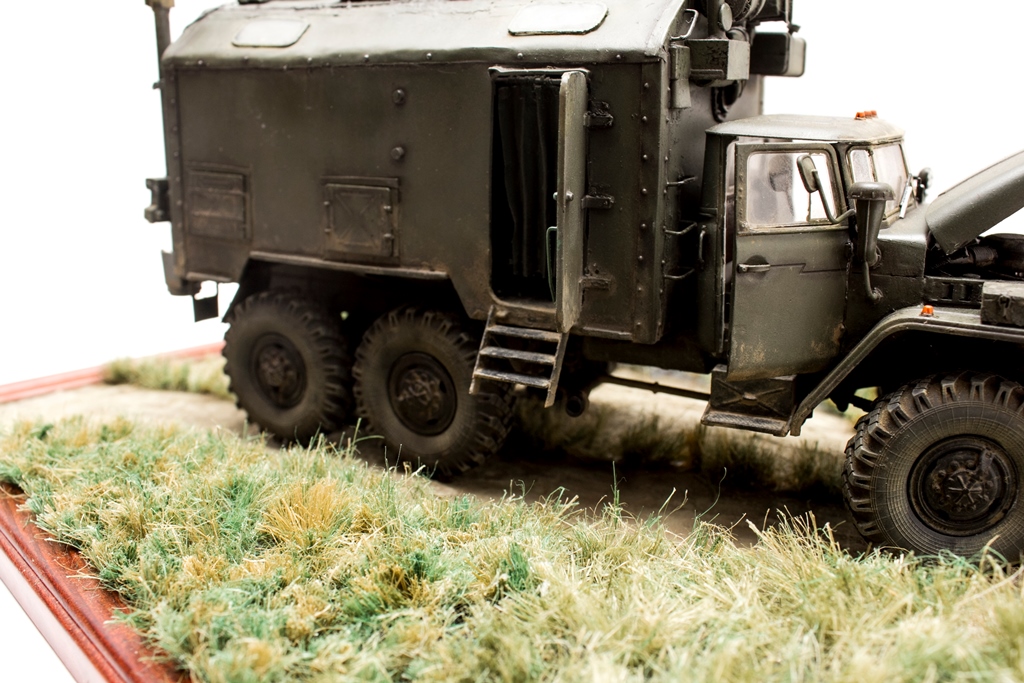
point(494, 360)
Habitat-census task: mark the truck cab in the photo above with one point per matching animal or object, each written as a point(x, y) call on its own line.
point(823, 271)
point(780, 287)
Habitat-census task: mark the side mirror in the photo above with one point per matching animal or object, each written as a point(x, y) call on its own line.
point(812, 183)
point(870, 198)
point(808, 173)
point(923, 178)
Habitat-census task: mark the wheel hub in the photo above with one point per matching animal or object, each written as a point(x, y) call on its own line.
point(963, 486)
point(422, 394)
point(279, 370)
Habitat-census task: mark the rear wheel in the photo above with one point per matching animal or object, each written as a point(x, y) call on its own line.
point(937, 465)
point(412, 376)
point(289, 365)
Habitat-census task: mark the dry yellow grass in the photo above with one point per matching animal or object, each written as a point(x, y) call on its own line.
point(734, 459)
point(245, 564)
point(201, 376)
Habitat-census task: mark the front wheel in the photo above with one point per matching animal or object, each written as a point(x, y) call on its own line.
point(412, 376)
point(937, 466)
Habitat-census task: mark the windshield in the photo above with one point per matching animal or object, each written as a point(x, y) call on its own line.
point(884, 164)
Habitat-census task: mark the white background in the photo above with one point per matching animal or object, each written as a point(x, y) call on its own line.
point(81, 274)
point(80, 130)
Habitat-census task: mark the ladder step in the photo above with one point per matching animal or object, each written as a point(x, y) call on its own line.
point(512, 378)
point(515, 354)
point(525, 333)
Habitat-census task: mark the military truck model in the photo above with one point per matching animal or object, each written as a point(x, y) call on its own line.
point(431, 205)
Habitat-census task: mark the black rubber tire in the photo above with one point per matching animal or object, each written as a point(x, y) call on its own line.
point(937, 466)
point(447, 431)
point(280, 343)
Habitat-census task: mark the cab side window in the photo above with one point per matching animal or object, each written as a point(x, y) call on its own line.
point(776, 197)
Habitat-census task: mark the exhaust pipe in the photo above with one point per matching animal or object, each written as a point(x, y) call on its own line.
point(162, 16)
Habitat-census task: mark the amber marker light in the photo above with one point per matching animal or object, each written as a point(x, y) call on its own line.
point(928, 311)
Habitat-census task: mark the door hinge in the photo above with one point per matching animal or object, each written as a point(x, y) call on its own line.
point(599, 116)
point(598, 201)
point(596, 282)
point(159, 209)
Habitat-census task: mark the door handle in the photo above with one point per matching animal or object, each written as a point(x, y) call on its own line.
point(754, 267)
point(551, 257)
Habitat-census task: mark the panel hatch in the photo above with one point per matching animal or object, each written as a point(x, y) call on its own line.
point(360, 219)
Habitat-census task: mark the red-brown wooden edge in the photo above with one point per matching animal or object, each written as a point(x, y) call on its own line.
point(81, 378)
point(50, 582)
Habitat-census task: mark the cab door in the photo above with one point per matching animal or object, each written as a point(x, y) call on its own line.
point(790, 263)
point(572, 184)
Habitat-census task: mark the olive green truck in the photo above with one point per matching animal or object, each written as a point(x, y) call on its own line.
point(430, 205)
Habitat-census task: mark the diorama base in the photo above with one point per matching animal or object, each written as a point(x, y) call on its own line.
point(58, 591)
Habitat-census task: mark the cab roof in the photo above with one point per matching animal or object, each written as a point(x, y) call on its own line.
point(816, 128)
point(331, 32)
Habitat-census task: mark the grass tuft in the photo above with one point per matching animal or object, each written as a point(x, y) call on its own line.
point(204, 376)
point(246, 564)
point(737, 460)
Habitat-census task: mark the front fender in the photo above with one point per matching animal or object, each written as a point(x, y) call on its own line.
point(957, 322)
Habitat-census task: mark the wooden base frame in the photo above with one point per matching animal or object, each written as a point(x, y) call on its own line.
point(56, 588)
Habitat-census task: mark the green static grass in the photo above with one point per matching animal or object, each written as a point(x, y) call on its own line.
point(736, 459)
point(203, 376)
point(247, 564)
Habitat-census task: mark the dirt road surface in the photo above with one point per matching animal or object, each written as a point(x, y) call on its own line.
point(643, 490)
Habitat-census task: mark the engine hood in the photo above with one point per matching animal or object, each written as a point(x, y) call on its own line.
point(970, 208)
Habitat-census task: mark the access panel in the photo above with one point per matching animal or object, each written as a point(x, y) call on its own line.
point(360, 219)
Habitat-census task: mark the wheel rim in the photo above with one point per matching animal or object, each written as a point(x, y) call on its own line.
point(422, 394)
point(963, 486)
point(279, 370)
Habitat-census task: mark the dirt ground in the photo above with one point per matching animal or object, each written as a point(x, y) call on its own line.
point(642, 490)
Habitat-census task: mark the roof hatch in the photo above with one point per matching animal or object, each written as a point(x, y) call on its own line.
point(554, 18)
point(270, 33)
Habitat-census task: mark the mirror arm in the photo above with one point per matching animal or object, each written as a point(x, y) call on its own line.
point(841, 217)
point(832, 218)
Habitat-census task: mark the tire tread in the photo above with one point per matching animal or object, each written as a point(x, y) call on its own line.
point(494, 401)
point(874, 431)
point(330, 346)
